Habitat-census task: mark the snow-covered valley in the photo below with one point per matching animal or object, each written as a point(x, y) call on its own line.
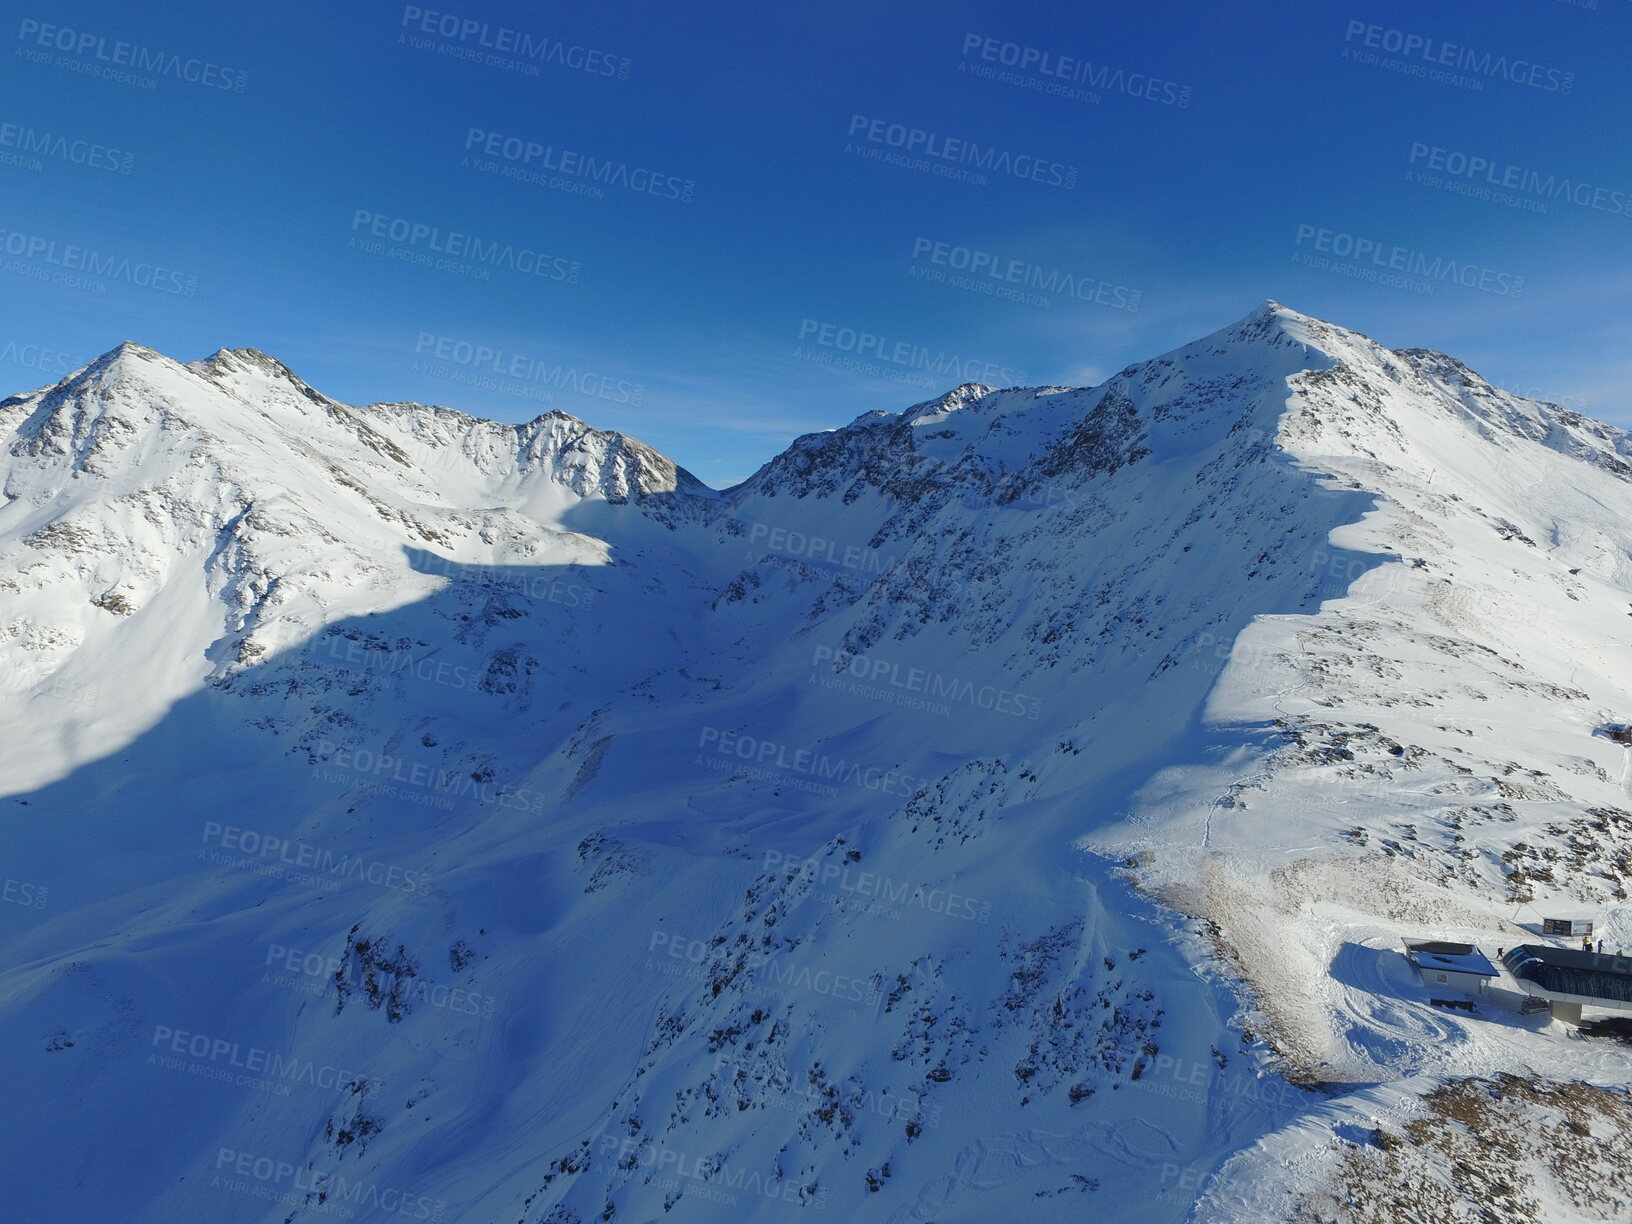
point(1009, 806)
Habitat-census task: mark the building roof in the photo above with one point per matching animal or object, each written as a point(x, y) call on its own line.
point(1449, 958)
point(1570, 971)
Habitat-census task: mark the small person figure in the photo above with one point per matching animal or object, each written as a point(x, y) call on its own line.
point(1586, 943)
point(1600, 947)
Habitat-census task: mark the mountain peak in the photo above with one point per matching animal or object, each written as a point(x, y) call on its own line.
point(225, 362)
point(126, 360)
point(125, 350)
point(243, 357)
point(1299, 341)
point(1271, 319)
point(1059, 679)
point(960, 396)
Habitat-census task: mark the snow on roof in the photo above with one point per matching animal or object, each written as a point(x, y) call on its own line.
point(1449, 958)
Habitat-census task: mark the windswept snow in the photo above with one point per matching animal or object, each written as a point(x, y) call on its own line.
point(1011, 806)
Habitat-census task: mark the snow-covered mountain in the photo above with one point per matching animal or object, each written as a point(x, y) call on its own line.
point(1012, 805)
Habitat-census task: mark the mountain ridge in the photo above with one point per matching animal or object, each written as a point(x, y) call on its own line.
point(1271, 323)
point(1020, 795)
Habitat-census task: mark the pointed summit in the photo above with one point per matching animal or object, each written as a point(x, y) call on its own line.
point(1284, 341)
point(225, 365)
point(242, 358)
point(125, 362)
point(124, 351)
point(1271, 320)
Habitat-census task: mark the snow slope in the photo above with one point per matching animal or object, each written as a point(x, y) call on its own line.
point(1009, 805)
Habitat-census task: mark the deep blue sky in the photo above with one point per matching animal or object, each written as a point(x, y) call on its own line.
point(696, 309)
